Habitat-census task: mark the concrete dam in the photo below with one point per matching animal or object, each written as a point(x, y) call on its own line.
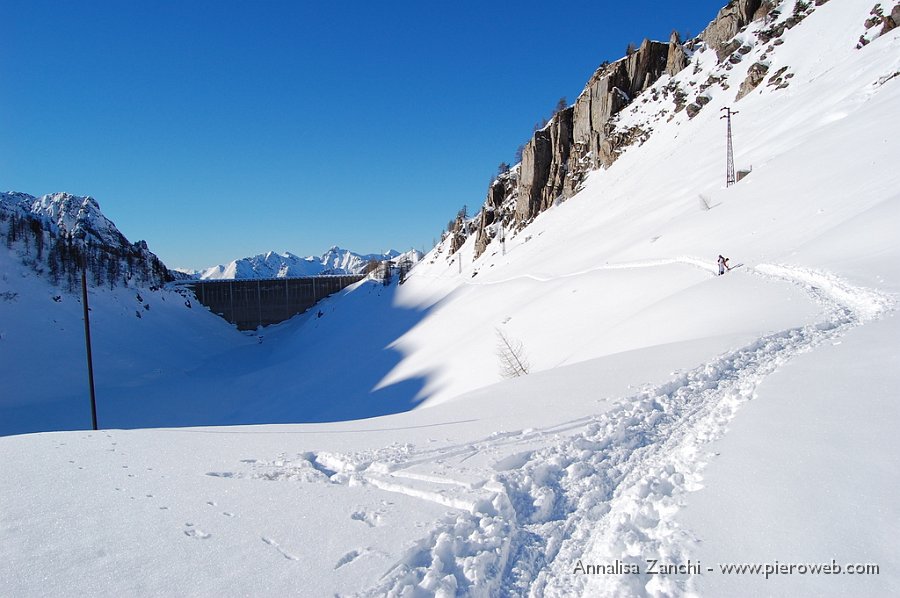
point(260, 302)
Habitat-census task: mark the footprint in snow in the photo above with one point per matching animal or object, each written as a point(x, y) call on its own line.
point(348, 558)
point(196, 533)
point(370, 518)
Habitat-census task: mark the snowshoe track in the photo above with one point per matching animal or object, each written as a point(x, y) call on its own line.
point(610, 489)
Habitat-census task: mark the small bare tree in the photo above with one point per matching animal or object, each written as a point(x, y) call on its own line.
point(519, 151)
point(561, 105)
point(513, 362)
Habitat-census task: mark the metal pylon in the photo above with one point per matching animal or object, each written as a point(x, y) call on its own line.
point(729, 169)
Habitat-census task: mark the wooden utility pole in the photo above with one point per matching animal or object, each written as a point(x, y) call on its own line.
point(87, 339)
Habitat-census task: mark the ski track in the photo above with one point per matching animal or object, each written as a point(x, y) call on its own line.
point(598, 489)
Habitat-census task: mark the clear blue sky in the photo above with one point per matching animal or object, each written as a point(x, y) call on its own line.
point(221, 129)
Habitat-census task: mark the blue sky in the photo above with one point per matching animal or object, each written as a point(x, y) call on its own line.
point(217, 130)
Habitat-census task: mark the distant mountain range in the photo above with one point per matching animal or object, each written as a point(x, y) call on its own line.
point(287, 265)
point(55, 233)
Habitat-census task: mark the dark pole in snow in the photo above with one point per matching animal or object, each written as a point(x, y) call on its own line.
point(87, 339)
point(729, 168)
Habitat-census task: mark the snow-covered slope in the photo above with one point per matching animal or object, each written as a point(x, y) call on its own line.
point(56, 234)
point(670, 415)
point(286, 265)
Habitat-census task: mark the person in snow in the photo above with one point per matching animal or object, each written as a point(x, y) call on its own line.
point(723, 265)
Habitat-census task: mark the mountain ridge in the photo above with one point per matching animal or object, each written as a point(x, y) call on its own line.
point(57, 231)
point(286, 265)
point(58, 235)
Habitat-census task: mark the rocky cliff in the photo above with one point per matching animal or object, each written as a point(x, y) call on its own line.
point(731, 19)
point(579, 138)
point(587, 136)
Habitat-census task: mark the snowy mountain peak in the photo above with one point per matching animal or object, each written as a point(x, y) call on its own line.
point(54, 233)
point(79, 217)
point(287, 265)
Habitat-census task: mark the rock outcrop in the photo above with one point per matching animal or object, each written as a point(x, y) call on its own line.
point(494, 215)
point(755, 75)
point(586, 136)
point(731, 19)
point(892, 21)
point(580, 138)
point(545, 163)
point(677, 58)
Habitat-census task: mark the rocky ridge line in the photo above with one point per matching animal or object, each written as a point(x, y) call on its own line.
point(585, 136)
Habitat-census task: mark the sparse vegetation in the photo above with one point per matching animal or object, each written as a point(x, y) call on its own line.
point(63, 257)
point(511, 353)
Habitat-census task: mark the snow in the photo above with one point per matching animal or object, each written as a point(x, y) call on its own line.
point(786, 467)
point(288, 265)
point(670, 414)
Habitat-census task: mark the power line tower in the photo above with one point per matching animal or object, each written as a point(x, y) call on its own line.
point(729, 172)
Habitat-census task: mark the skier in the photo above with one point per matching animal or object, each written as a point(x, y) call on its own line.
point(723, 265)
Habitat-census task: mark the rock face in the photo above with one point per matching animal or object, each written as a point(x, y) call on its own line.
point(503, 190)
point(891, 21)
point(580, 138)
point(610, 90)
point(585, 136)
point(677, 59)
point(755, 75)
point(577, 139)
point(731, 19)
point(545, 162)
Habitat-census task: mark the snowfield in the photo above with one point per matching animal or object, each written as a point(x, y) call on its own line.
point(670, 416)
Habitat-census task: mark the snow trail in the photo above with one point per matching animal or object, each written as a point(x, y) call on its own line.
point(608, 490)
point(528, 506)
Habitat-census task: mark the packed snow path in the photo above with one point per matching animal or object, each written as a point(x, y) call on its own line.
point(530, 504)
